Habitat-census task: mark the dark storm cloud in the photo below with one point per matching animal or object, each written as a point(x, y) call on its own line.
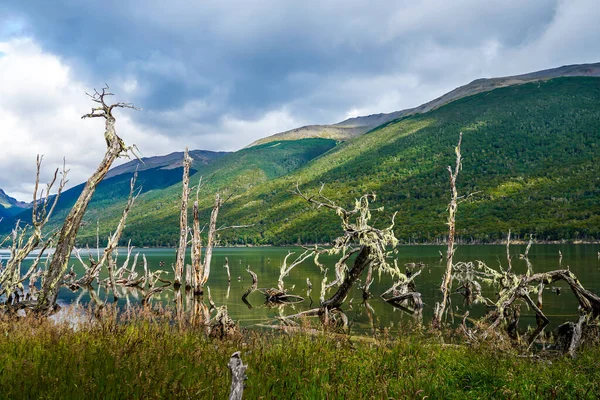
point(182, 50)
point(220, 74)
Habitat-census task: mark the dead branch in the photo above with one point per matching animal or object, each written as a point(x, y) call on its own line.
point(11, 280)
point(111, 246)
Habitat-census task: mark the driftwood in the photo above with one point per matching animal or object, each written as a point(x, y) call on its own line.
point(68, 233)
point(251, 288)
point(222, 326)
point(277, 296)
point(238, 376)
point(280, 294)
point(403, 294)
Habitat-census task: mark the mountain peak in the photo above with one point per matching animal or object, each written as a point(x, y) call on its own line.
point(357, 126)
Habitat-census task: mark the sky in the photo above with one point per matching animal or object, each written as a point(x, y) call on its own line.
point(217, 75)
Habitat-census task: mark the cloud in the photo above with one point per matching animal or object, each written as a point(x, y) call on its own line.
point(40, 113)
point(217, 75)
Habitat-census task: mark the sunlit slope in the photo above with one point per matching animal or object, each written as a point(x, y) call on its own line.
point(531, 157)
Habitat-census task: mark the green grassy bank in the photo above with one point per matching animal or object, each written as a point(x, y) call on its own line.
point(143, 359)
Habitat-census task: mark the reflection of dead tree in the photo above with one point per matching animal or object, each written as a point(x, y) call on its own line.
point(66, 239)
point(25, 240)
point(183, 219)
point(452, 207)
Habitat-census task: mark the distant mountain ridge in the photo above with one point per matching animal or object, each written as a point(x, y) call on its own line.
point(169, 161)
point(10, 206)
point(357, 126)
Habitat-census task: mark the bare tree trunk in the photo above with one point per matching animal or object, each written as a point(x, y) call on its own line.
point(452, 207)
point(197, 252)
point(68, 233)
point(111, 275)
point(212, 229)
point(362, 262)
point(183, 220)
point(112, 244)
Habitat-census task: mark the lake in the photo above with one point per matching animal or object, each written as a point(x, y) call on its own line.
point(582, 260)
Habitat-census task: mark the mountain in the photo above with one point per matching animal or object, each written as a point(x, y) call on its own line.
point(353, 127)
point(10, 206)
point(170, 161)
point(530, 158)
point(154, 173)
point(233, 173)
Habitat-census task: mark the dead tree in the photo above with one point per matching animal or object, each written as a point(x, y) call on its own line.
point(371, 244)
point(226, 266)
point(183, 220)
point(202, 268)
point(446, 286)
point(68, 233)
point(27, 239)
point(512, 287)
point(251, 288)
point(107, 255)
point(403, 293)
point(280, 294)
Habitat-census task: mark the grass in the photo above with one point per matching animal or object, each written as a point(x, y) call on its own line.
point(145, 358)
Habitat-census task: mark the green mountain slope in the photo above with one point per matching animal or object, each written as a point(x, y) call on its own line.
point(530, 154)
point(154, 218)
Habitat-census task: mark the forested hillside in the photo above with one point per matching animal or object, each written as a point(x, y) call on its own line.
point(530, 160)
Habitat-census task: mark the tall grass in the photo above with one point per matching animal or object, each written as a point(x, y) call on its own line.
point(154, 358)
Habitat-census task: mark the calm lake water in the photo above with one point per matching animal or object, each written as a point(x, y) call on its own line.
point(582, 260)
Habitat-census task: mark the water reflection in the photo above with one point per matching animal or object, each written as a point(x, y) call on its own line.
point(249, 309)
